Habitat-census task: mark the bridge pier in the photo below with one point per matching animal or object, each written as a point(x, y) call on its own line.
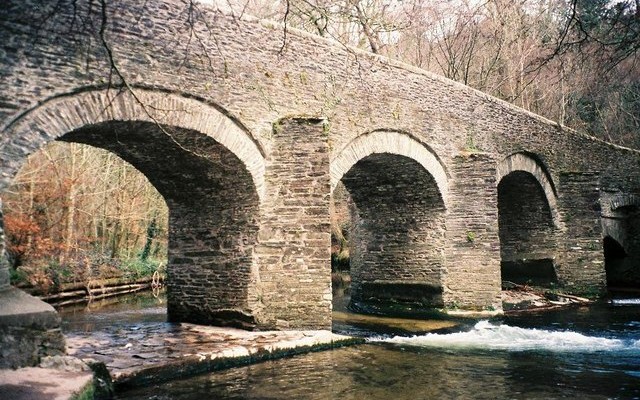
point(472, 278)
point(580, 261)
point(293, 284)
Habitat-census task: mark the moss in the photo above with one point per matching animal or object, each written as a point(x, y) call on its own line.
point(304, 78)
point(326, 128)
point(471, 236)
point(86, 393)
point(277, 127)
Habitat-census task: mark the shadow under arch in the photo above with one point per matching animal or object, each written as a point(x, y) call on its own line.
point(621, 243)
point(529, 162)
point(210, 173)
point(528, 221)
point(391, 142)
point(398, 190)
point(65, 113)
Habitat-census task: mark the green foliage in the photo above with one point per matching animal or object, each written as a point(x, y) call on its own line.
point(471, 236)
point(137, 268)
point(152, 231)
point(471, 145)
point(86, 394)
point(18, 276)
point(588, 291)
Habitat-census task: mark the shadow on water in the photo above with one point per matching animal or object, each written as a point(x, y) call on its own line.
point(347, 322)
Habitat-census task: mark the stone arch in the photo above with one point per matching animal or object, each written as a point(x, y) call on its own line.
point(526, 162)
point(620, 219)
point(624, 201)
point(208, 169)
point(527, 220)
point(62, 114)
point(392, 142)
point(397, 189)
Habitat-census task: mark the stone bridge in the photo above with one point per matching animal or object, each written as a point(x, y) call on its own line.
point(245, 128)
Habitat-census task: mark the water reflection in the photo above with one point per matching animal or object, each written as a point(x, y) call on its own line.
point(363, 372)
point(107, 314)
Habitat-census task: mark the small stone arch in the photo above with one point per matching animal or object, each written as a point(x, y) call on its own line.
point(624, 201)
point(528, 163)
point(62, 114)
point(392, 142)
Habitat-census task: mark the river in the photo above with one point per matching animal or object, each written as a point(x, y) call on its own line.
point(583, 352)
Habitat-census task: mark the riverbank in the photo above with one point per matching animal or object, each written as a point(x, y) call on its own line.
point(72, 293)
point(140, 349)
point(523, 298)
point(135, 356)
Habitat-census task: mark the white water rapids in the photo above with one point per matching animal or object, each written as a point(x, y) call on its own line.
point(486, 335)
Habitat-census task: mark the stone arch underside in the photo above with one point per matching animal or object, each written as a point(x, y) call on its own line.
point(526, 163)
point(527, 220)
point(63, 114)
point(391, 142)
point(398, 224)
point(621, 244)
point(210, 191)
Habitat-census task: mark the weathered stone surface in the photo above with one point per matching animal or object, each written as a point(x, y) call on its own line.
point(29, 330)
point(164, 352)
point(294, 279)
point(472, 275)
point(4, 265)
point(45, 383)
point(398, 231)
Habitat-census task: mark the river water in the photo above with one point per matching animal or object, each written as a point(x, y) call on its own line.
point(578, 353)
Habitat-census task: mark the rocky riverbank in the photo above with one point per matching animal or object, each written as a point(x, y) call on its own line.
point(523, 298)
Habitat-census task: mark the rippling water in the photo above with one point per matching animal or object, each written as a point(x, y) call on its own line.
point(578, 353)
point(486, 335)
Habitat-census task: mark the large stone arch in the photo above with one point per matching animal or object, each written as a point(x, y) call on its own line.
point(398, 189)
point(62, 114)
point(392, 142)
point(528, 220)
point(528, 163)
point(209, 170)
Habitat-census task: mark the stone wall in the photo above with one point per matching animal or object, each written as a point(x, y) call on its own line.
point(580, 263)
point(527, 231)
point(213, 215)
point(29, 330)
point(4, 264)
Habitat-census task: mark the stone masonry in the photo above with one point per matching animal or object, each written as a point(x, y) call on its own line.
point(246, 131)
